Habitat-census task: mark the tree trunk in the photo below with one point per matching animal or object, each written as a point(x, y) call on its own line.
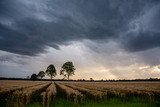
point(51, 78)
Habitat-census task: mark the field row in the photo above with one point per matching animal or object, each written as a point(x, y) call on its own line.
point(125, 90)
point(149, 90)
point(22, 96)
point(7, 86)
point(46, 92)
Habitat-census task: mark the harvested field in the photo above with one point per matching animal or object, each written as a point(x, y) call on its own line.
point(125, 90)
point(11, 85)
point(82, 94)
point(140, 86)
point(93, 94)
point(49, 95)
point(70, 93)
point(19, 93)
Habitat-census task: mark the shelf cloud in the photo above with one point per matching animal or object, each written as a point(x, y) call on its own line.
point(27, 27)
point(120, 29)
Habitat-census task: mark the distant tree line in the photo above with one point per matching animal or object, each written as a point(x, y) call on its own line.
point(89, 80)
point(67, 70)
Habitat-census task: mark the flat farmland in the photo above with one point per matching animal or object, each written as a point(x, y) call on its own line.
point(10, 85)
point(105, 86)
point(17, 93)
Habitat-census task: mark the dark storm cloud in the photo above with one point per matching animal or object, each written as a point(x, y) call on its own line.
point(27, 27)
point(143, 41)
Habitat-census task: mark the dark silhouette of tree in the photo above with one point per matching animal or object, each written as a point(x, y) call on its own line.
point(67, 69)
point(33, 76)
point(27, 77)
point(41, 74)
point(91, 79)
point(51, 71)
point(65, 75)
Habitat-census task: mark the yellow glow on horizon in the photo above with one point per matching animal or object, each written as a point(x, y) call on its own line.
point(143, 67)
point(156, 68)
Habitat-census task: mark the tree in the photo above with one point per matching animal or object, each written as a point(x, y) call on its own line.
point(33, 76)
point(91, 79)
point(41, 74)
point(27, 77)
point(51, 71)
point(67, 69)
point(65, 75)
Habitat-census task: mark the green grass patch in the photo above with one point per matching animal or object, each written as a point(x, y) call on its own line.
point(119, 103)
point(34, 104)
point(61, 102)
point(114, 102)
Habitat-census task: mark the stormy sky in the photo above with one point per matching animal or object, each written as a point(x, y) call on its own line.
point(105, 39)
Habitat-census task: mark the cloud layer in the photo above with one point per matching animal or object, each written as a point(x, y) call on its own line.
point(28, 27)
point(104, 38)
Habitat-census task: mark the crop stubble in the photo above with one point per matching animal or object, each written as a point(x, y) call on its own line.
point(20, 93)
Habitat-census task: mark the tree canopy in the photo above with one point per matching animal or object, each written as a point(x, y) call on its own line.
point(33, 76)
point(67, 69)
point(41, 74)
point(51, 71)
